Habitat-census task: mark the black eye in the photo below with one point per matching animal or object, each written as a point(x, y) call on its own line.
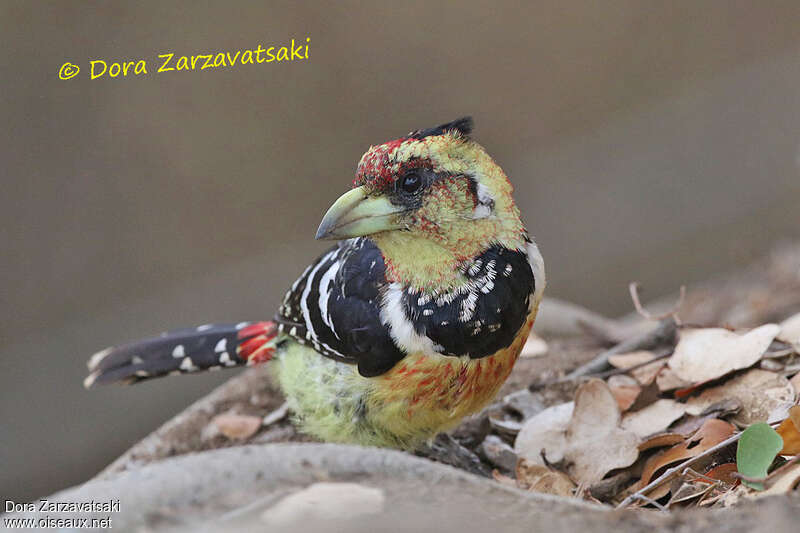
point(411, 183)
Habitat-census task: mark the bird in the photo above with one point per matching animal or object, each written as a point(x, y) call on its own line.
point(412, 321)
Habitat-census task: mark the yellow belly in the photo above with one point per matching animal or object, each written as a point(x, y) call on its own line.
point(424, 394)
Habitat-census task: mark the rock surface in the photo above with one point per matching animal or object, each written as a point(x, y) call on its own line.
point(277, 487)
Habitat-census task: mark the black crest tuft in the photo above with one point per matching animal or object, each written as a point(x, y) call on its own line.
point(462, 125)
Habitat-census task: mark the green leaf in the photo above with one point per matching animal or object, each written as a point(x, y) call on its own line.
point(758, 447)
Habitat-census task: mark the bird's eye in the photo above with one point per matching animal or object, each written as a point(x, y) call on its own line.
point(411, 183)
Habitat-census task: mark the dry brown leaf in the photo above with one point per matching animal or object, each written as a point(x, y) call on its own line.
point(585, 435)
point(703, 354)
point(237, 427)
point(692, 423)
point(595, 444)
point(790, 331)
point(758, 391)
point(710, 434)
point(504, 479)
point(535, 346)
point(539, 478)
point(654, 418)
point(668, 380)
point(789, 430)
point(795, 381)
point(785, 483)
point(554, 482)
point(625, 390)
point(728, 498)
point(644, 374)
point(723, 473)
point(544, 432)
point(659, 441)
point(688, 491)
point(625, 361)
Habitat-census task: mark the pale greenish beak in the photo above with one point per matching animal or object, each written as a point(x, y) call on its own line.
point(356, 214)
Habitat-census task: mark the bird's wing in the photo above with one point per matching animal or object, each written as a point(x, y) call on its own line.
point(334, 306)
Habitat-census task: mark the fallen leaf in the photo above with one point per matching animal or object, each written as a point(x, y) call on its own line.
point(703, 354)
point(723, 473)
point(758, 391)
point(789, 430)
point(644, 374)
point(691, 423)
point(539, 478)
point(325, 501)
point(795, 381)
point(237, 427)
point(779, 413)
point(785, 483)
point(595, 444)
point(757, 449)
point(668, 380)
point(585, 435)
point(544, 433)
point(554, 482)
point(688, 491)
point(535, 346)
point(654, 418)
point(504, 479)
point(625, 361)
point(709, 435)
point(659, 441)
point(728, 498)
point(625, 390)
point(790, 331)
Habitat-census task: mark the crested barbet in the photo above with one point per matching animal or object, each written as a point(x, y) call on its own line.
point(413, 320)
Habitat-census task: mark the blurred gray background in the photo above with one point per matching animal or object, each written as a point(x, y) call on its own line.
point(655, 141)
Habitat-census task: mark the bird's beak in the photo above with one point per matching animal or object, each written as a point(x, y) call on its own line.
point(356, 214)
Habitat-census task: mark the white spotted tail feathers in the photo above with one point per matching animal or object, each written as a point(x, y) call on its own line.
point(207, 347)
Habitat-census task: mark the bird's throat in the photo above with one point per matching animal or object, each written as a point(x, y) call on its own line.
point(421, 263)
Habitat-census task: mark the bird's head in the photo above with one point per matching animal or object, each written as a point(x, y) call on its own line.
point(430, 201)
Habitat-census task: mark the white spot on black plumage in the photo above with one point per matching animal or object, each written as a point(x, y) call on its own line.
point(99, 356)
point(242, 325)
point(468, 306)
point(293, 331)
point(204, 327)
point(178, 351)
point(475, 268)
point(401, 328)
point(225, 359)
point(136, 360)
point(221, 346)
point(280, 328)
point(188, 365)
point(427, 312)
point(142, 373)
point(507, 270)
point(325, 290)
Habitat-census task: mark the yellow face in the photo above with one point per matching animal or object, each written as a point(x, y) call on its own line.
point(428, 203)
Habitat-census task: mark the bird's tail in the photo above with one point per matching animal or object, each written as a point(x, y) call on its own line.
point(207, 347)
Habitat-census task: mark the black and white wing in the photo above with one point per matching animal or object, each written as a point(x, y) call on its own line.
point(334, 306)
